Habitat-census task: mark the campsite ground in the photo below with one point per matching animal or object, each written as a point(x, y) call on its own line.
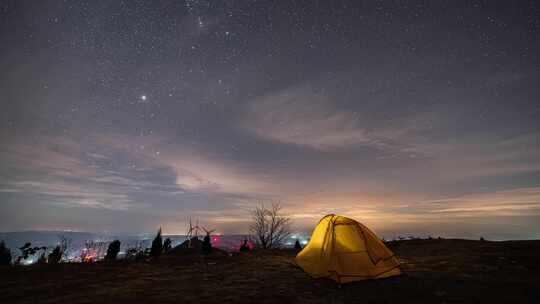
point(436, 271)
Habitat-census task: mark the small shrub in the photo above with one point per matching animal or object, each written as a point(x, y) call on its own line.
point(157, 245)
point(297, 245)
point(56, 255)
point(112, 250)
point(5, 255)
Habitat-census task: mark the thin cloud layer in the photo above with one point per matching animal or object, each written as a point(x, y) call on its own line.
point(301, 116)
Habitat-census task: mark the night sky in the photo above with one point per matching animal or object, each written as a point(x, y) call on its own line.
point(411, 117)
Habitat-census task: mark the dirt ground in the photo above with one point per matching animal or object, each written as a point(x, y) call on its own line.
point(435, 271)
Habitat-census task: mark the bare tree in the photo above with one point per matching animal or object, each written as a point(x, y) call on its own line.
point(270, 227)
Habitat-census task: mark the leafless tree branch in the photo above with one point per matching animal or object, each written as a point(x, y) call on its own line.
point(270, 227)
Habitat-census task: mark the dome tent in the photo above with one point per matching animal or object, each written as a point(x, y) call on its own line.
point(344, 250)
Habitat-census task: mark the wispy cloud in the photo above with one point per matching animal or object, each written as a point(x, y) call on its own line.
point(59, 172)
point(521, 201)
point(409, 146)
point(305, 116)
point(195, 170)
point(124, 173)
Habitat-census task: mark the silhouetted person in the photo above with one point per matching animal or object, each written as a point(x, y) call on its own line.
point(5, 254)
point(55, 256)
point(206, 245)
point(167, 245)
point(244, 247)
point(113, 250)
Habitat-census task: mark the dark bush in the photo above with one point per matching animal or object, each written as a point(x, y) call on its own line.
point(55, 256)
point(297, 245)
point(157, 245)
point(5, 255)
point(112, 250)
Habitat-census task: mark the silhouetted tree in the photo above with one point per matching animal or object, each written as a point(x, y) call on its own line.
point(56, 255)
point(297, 245)
point(112, 250)
point(5, 254)
point(167, 245)
point(270, 226)
point(157, 245)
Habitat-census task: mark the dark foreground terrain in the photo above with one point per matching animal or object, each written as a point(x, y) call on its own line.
point(435, 271)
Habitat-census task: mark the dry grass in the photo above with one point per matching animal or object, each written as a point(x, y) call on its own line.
point(436, 271)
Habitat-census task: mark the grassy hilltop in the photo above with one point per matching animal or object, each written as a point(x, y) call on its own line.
point(436, 271)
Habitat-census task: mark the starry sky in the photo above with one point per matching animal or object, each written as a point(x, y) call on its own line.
point(413, 117)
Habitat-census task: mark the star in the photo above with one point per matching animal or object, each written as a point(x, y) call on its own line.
point(143, 97)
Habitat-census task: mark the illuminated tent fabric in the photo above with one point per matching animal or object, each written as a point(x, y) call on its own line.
point(345, 250)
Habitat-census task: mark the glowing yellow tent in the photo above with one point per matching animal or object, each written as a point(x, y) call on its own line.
point(345, 250)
